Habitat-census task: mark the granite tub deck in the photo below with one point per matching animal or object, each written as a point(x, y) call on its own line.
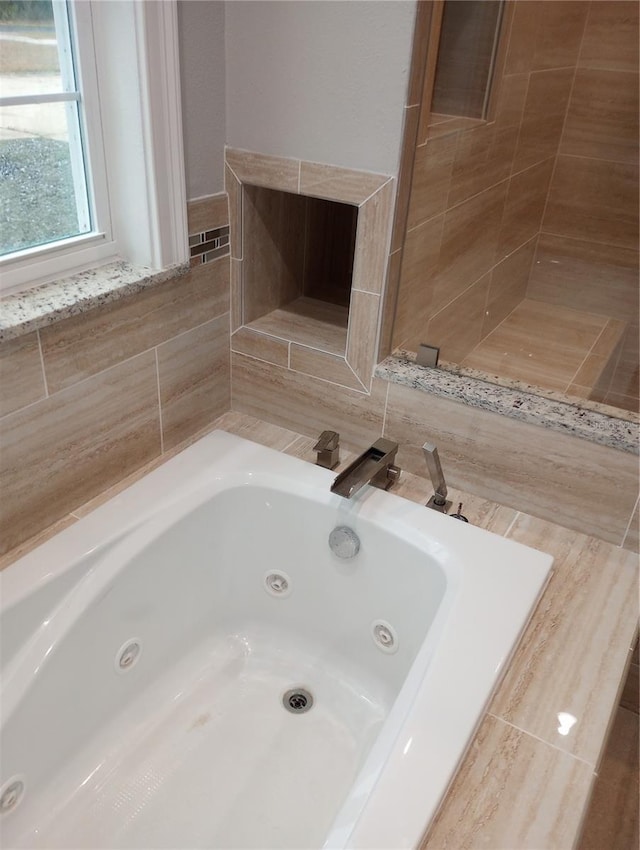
point(588, 420)
point(527, 777)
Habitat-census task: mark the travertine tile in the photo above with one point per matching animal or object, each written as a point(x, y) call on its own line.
point(328, 367)
point(305, 404)
point(236, 294)
point(64, 449)
point(372, 240)
point(594, 200)
point(431, 179)
point(515, 463)
point(208, 213)
point(389, 306)
point(511, 791)
point(592, 587)
point(469, 239)
point(483, 158)
point(234, 192)
point(632, 537)
point(194, 379)
point(600, 278)
point(457, 328)
point(256, 430)
point(522, 38)
point(37, 540)
point(261, 345)
point(339, 184)
point(308, 321)
point(630, 697)
point(362, 334)
point(508, 286)
point(405, 176)
point(86, 344)
point(415, 293)
point(543, 117)
point(524, 206)
point(258, 169)
point(611, 36)
point(590, 370)
point(602, 119)
point(273, 250)
point(329, 246)
point(513, 93)
point(612, 818)
point(559, 34)
point(21, 375)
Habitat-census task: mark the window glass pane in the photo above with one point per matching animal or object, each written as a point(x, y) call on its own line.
point(42, 183)
point(29, 62)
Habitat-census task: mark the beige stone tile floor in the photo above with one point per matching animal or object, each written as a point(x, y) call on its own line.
point(549, 346)
point(516, 788)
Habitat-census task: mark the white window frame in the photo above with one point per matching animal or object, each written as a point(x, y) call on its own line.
point(128, 66)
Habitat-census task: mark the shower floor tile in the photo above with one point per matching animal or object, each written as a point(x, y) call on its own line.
point(539, 343)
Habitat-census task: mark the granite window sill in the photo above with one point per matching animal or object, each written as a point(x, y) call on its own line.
point(48, 303)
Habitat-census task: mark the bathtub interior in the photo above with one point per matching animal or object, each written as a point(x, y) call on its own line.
point(195, 732)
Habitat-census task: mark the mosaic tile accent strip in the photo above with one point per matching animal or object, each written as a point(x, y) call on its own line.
point(208, 245)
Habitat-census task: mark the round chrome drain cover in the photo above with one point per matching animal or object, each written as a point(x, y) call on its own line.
point(297, 700)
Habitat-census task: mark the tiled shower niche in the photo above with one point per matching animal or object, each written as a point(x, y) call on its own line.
point(308, 246)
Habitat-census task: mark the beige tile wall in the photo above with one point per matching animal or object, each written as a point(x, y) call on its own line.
point(478, 189)
point(91, 398)
point(588, 249)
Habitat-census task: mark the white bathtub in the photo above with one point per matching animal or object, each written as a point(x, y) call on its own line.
point(190, 745)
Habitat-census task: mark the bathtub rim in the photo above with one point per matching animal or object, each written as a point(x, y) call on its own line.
point(368, 828)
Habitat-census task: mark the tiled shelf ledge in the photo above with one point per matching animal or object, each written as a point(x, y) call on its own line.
point(50, 302)
point(579, 420)
point(309, 322)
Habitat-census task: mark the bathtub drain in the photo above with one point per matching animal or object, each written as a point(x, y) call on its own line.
point(297, 700)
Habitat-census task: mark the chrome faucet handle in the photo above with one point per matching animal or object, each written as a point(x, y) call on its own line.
point(328, 449)
point(439, 500)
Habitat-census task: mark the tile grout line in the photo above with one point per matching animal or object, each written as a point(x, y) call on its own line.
point(587, 355)
point(44, 373)
point(386, 405)
point(542, 741)
point(159, 401)
point(512, 523)
point(626, 531)
point(379, 189)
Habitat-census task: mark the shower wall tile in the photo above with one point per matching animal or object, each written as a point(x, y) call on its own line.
point(559, 34)
point(415, 293)
point(194, 380)
point(306, 404)
point(601, 278)
point(595, 201)
point(611, 36)
point(522, 38)
point(543, 118)
point(431, 179)
point(483, 158)
point(508, 286)
point(62, 450)
point(524, 206)
point(21, 375)
point(549, 475)
point(469, 240)
point(86, 344)
point(602, 119)
point(458, 326)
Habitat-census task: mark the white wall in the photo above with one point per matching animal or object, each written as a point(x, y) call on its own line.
point(202, 72)
point(321, 80)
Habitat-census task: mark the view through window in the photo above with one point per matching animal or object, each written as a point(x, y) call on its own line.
point(43, 185)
